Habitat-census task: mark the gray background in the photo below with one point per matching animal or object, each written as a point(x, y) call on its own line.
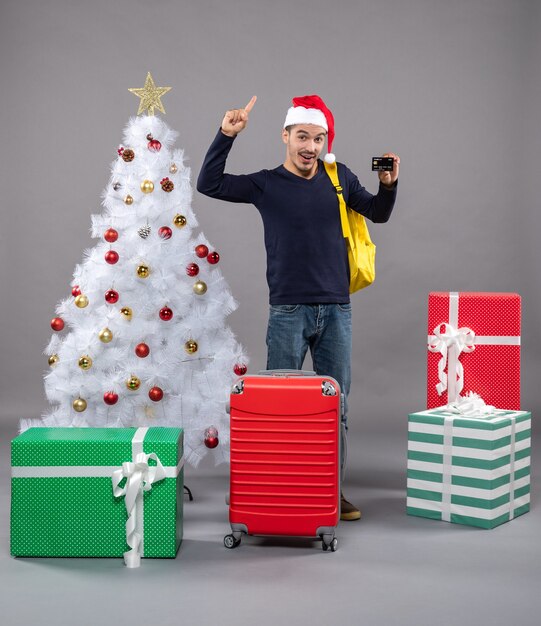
point(453, 87)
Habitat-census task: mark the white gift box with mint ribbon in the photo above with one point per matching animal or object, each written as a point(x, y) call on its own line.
point(469, 470)
point(97, 492)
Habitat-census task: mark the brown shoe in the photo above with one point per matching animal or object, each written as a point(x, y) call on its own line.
point(348, 511)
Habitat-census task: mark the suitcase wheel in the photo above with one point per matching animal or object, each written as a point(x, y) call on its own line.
point(332, 544)
point(230, 542)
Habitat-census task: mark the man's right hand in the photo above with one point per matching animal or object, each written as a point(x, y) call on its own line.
point(234, 121)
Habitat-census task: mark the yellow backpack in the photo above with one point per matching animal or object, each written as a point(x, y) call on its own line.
point(361, 250)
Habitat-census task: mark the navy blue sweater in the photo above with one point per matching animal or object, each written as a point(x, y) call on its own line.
point(306, 252)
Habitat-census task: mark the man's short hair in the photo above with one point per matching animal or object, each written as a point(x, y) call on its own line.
point(288, 128)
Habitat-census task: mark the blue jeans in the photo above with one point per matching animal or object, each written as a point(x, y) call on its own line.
point(325, 329)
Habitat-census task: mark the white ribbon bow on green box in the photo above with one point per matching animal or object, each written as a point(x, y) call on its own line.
point(140, 476)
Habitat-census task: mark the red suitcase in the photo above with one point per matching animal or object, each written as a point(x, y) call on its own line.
point(285, 456)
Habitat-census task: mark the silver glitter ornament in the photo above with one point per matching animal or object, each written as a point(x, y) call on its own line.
point(144, 231)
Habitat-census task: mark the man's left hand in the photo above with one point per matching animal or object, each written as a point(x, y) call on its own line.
point(389, 178)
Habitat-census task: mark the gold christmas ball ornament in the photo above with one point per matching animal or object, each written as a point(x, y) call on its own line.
point(128, 200)
point(149, 412)
point(53, 359)
point(191, 346)
point(79, 405)
point(105, 335)
point(85, 362)
point(126, 312)
point(179, 220)
point(81, 301)
point(143, 271)
point(147, 186)
point(173, 169)
point(133, 383)
point(200, 287)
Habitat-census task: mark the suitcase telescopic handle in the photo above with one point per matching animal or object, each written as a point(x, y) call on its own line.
point(286, 373)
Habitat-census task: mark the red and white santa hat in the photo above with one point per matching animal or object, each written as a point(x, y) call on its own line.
point(312, 110)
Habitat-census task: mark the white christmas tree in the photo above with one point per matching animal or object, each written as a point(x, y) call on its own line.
point(142, 340)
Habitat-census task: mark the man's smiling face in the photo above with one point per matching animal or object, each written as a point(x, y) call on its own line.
point(304, 145)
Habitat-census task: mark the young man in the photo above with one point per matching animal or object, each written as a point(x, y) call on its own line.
point(307, 262)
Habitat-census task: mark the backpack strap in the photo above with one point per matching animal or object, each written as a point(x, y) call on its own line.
point(332, 171)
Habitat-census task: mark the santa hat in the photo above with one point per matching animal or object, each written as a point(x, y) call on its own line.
point(312, 110)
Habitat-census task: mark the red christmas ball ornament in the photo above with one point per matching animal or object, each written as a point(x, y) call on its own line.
point(211, 437)
point(111, 296)
point(142, 350)
point(110, 398)
point(201, 251)
point(166, 314)
point(153, 144)
point(57, 323)
point(165, 232)
point(76, 291)
point(111, 257)
point(155, 394)
point(213, 258)
point(110, 235)
point(192, 269)
point(240, 369)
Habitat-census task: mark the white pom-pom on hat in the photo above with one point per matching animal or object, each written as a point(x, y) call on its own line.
point(330, 158)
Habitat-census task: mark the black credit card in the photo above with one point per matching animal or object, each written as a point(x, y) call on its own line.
point(382, 164)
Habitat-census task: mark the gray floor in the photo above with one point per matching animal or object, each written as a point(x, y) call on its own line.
point(390, 569)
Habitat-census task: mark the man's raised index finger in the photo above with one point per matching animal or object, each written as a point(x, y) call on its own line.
point(250, 104)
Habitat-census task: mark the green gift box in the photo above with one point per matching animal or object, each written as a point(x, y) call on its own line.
point(97, 492)
point(469, 470)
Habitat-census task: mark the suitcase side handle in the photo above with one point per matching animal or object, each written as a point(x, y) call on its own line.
point(286, 372)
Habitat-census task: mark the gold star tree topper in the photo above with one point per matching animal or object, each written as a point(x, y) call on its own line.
point(150, 96)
